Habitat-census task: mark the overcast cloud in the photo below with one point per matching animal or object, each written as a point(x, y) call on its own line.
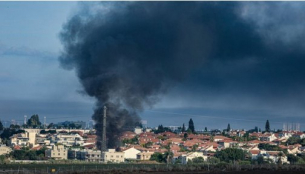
point(255, 74)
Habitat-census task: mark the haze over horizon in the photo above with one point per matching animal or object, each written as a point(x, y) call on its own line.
point(252, 69)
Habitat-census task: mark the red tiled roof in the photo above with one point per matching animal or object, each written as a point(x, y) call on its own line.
point(37, 148)
point(17, 147)
point(254, 152)
point(89, 146)
point(255, 142)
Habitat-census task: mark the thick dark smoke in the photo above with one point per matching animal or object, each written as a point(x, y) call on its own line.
point(128, 54)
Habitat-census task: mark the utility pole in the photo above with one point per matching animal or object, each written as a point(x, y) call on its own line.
point(104, 144)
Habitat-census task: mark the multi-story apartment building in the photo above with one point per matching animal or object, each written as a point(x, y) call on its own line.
point(19, 140)
point(112, 156)
point(90, 155)
point(58, 152)
point(69, 139)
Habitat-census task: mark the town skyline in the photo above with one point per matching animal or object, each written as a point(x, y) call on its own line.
point(198, 127)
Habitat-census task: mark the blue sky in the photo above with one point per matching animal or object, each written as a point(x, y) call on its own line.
point(33, 82)
point(31, 79)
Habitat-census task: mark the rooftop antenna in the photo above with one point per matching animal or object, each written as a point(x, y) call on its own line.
point(45, 121)
point(298, 129)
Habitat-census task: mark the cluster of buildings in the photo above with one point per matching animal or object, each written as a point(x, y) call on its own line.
point(62, 144)
point(201, 145)
point(80, 144)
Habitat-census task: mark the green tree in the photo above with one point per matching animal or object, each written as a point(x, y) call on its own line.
point(292, 158)
point(256, 129)
point(231, 154)
point(211, 138)
point(159, 157)
point(268, 147)
point(34, 121)
point(267, 126)
point(31, 155)
point(260, 160)
point(1, 126)
point(133, 140)
point(191, 126)
point(185, 135)
point(293, 140)
point(3, 159)
point(19, 154)
point(148, 144)
point(14, 126)
point(183, 128)
point(160, 129)
point(194, 147)
point(246, 136)
point(213, 160)
point(8, 132)
point(196, 160)
point(178, 161)
point(72, 125)
point(302, 142)
point(168, 156)
point(228, 128)
point(280, 155)
point(50, 125)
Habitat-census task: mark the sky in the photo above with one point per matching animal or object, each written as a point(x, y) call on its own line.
point(31, 80)
point(247, 66)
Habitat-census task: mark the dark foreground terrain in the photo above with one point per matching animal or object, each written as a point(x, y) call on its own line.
point(150, 169)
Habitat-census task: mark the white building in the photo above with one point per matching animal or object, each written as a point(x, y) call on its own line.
point(112, 156)
point(131, 153)
point(189, 156)
point(4, 150)
point(28, 138)
point(138, 130)
point(20, 139)
point(144, 155)
point(268, 137)
point(69, 139)
point(273, 156)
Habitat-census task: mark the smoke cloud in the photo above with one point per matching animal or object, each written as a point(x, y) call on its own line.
point(128, 54)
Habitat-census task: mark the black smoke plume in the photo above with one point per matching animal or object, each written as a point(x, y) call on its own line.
point(127, 54)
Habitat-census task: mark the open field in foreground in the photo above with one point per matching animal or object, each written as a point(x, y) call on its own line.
point(149, 169)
